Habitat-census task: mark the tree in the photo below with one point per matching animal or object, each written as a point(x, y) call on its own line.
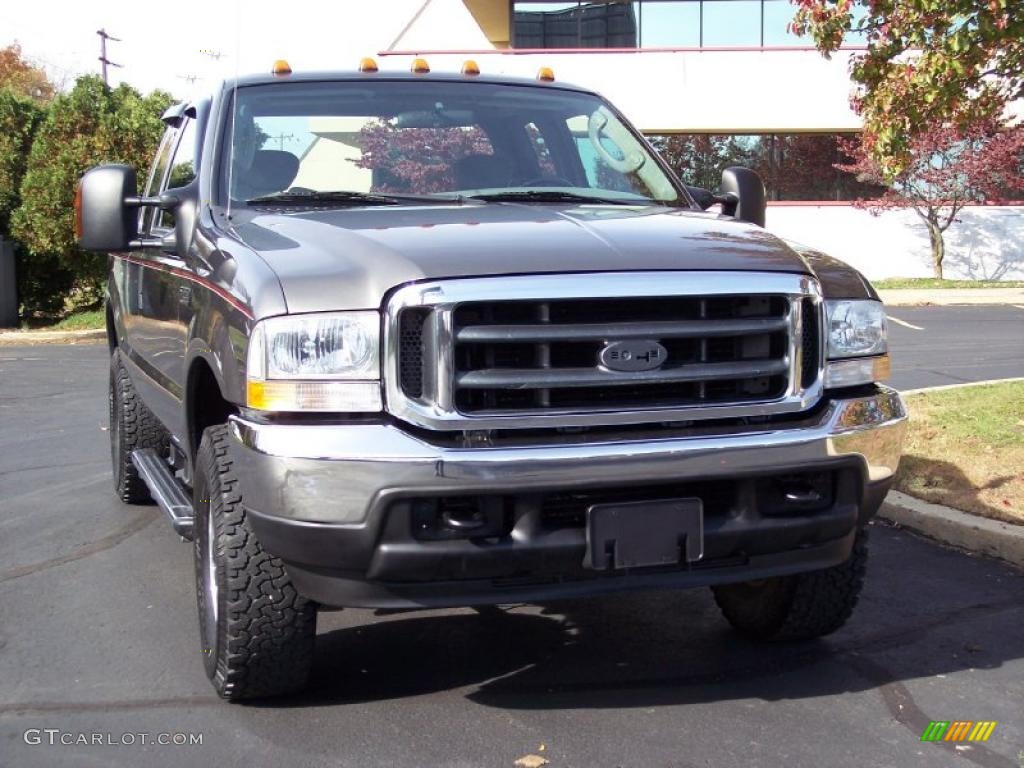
point(948, 168)
point(91, 124)
point(417, 160)
point(792, 166)
point(23, 77)
point(699, 159)
point(928, 62)
point(19, 119)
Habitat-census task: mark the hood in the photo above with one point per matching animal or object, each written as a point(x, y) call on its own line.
point(349, 258)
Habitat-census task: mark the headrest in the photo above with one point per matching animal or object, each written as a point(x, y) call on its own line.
point(273, 170)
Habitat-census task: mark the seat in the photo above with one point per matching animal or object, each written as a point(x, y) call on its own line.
point(482, 172)
point(272, 170)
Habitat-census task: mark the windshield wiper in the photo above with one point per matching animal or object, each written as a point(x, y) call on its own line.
point(347, 197)
point(552, 196)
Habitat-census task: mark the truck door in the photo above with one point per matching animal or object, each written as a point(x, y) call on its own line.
point(163, 288)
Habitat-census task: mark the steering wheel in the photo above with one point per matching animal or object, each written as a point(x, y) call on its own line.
point(629, 162)
point(547, 181)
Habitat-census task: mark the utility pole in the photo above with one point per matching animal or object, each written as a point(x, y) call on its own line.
point(103, 51)
point(281, 138)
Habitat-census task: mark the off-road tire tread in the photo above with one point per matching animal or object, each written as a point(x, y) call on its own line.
point(139, 429)
point(268, 630)
point(802, 606)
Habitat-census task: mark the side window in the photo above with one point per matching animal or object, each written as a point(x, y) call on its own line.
point(156, 176)
point(183, 167)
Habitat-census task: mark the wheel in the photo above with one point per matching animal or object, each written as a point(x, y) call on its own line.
point(796, 607)
point(257, 632)
point(132, 426)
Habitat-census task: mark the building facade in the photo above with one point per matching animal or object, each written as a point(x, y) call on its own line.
point(716, 83)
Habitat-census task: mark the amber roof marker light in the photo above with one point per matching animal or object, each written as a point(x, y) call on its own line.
point(470, 68)
point(419, 67)
point(280, 68)
point(367, 65)
point(546, 75)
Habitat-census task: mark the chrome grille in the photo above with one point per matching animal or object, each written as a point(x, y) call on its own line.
point(522, 355)
point(508, 352)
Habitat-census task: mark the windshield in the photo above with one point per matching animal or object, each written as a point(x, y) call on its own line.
point(436, 139)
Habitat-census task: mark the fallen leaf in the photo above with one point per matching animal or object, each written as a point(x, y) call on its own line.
point(531, 761)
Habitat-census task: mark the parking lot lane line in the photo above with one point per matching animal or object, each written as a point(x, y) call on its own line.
point(905, 324)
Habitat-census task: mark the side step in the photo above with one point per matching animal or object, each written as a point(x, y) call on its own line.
point(166, 491)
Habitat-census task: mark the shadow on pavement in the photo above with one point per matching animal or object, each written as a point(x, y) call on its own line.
point(925, 611)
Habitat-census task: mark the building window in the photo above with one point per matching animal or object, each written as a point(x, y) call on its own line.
point(657, 24)
point(575, 25)
point(794, 166)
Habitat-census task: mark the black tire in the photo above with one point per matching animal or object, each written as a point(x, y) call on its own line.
point(796, 607)
point(257, 632)
point(132, 426)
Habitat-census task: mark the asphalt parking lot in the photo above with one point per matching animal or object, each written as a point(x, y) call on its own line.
point(98, 632)
point(934, 346)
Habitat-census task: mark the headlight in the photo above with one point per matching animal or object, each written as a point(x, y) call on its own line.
point(857, 342)
point(321, 362)
point(855, 328)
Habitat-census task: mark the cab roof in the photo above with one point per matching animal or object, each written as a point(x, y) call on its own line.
point(398, 75)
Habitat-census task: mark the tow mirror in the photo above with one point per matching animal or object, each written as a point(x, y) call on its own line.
point(705, 198)
point(106, 209)
point(742, 195)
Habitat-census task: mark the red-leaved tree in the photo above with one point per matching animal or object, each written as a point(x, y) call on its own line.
point(417, 160)
point(947, 168)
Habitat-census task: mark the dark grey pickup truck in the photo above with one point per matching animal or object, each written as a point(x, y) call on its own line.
point(405, 340)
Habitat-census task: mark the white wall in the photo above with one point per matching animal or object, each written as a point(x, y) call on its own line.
point(741, 91)
point(709, 90)
point(986, 242)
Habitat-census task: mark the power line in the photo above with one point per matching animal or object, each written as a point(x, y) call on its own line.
point(280, 138)
point(103, 51)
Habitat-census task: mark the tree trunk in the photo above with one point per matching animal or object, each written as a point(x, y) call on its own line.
point(938, 248)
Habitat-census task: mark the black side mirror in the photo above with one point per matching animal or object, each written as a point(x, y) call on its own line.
point(742, 194)
point(106, 210)
point(705, 198)
point(102, 220)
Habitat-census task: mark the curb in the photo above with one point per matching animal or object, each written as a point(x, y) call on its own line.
point(942, 387)
point(978, 535)
point(951, 297)
point(51, 337)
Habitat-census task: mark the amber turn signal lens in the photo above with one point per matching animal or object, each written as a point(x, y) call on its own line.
point(420, 66)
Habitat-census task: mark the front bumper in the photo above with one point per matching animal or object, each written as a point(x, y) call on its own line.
point(331, 501)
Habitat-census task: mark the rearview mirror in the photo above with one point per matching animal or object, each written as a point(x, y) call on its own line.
point(742, 195)
point(103, 222)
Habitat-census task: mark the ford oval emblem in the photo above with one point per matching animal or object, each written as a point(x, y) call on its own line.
point(638, 355)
